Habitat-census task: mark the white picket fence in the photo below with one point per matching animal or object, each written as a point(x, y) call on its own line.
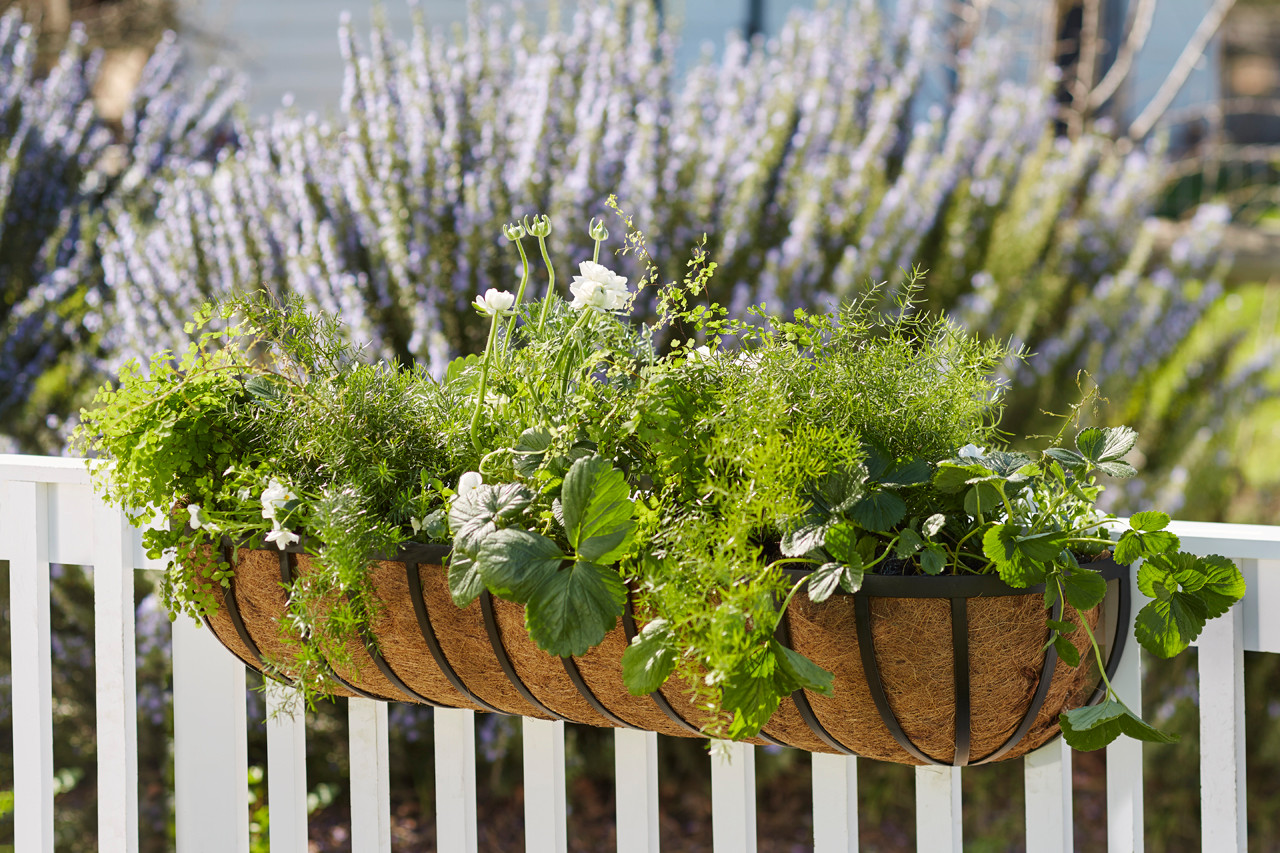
point(48, 514)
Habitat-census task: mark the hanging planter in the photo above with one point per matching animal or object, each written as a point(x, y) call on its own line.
point(950, 670)
point(796, 541)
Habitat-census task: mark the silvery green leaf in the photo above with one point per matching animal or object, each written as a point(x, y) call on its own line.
point(1119, 470)
point(804, 539)
point(1105, 445)
point(650, 658)
point(1066, 457)
point(933, 524)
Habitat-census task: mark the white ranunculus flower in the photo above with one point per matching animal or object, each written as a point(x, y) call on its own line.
point(600, 288)
point(495, 301)
point(282, 538)
point(971, 451)
point(469, 482)
point(275, 497)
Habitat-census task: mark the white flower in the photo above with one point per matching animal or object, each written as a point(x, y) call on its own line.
point(282, 538)
point(416, 524)
point(699, 355)
point(199, 519)
point(495, 301)
point(971, 451)
point(274, 498)
point(469, 482)
point(243, 494)
point(600, 288)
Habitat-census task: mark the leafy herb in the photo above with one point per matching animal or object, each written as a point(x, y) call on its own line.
point(579, 461)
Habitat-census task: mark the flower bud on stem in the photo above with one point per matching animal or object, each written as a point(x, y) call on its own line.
point(540, 227)
point(484, 380)
point(599, 233)
point(515, 233)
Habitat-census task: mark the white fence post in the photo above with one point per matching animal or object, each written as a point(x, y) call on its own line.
point(455, 737)
point(1124, 756)
point(938, 815)
point(733, 797)
point(27, 508)
point(544, 794)
point(635, 771)
point(1047, 786)
point(370, 776)
point(286, 768)
point(115, 667)
point(211, 762)
point(1222, 756)
point(835, 803)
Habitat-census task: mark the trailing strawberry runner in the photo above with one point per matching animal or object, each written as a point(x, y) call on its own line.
point(804, 531)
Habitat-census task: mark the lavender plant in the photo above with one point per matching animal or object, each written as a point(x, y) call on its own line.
point(61, 168)
point(811, 157)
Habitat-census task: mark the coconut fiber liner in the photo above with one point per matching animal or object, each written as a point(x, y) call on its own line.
point(422, 648)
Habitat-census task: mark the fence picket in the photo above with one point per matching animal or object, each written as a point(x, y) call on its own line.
point(733, 797)
point(1222, 755)
point(1047, 786)
point(115, 668)
point(938, 824)
point(286, 769)
point(370, 776)
point(1124, 757)
point(27, 509)
point(455, 737)
point(544, 795)
point(210, 744)
point(835, 803)
point(635, 763)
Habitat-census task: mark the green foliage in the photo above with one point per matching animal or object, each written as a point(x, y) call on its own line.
point(275, 398)
point(715, 480)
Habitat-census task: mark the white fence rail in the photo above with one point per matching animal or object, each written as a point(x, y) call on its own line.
point(48, 514)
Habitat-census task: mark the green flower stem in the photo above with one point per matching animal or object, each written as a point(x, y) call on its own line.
point(484, 381)
point(582, 319)
point(1097, 652)
point(524, 280)
point(595, 256)
point(551, 282)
